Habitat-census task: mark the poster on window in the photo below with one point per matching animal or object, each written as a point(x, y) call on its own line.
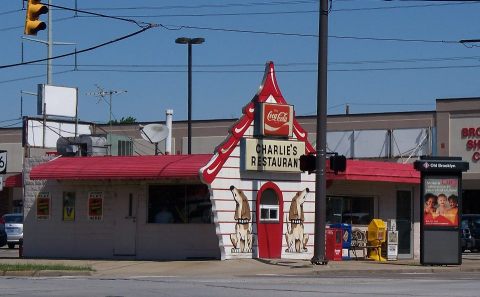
point(68, 206)
point(440, 199)
point(95, 206)
point(43, 206)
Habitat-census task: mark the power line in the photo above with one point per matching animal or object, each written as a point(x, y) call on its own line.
point(290, 64)
point(80, 51)
point(249, 71)
point(31, 77)
point(248, 4)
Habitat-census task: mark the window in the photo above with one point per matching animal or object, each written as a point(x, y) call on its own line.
point(125, 148)
point(269, 209)
point(350, 210)
point(179, 204)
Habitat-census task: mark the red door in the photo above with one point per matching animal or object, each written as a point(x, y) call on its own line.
point(269, 221)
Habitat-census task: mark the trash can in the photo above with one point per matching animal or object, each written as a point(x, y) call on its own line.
point(333, 244)
point(346, 238)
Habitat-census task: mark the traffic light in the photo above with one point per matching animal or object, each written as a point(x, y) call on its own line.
point(338, 163)
point(32, 24)
point(308, 163)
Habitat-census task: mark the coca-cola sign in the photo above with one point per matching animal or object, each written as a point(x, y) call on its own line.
point(276, 119)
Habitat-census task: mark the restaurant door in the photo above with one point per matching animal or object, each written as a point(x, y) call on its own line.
point(269, 221)
point(125, 224)
point(404, 224)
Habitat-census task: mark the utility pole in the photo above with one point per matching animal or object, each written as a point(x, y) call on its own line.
point(320, 176)
point(101, 93)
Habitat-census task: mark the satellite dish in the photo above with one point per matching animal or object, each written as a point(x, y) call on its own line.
point(154, 132)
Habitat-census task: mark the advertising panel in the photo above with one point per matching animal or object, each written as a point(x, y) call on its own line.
point(276, 119)
point(440, 201)
point(68, 206)
point(95, 206)
point(43, 206)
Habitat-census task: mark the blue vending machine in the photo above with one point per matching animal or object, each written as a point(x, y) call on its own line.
point(346, 238)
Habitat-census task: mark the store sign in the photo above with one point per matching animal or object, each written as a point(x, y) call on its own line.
point(276, 119)
point(43, 206)
point(95, 206)
point(272, 155)
point(3, 162)
point(471, 136)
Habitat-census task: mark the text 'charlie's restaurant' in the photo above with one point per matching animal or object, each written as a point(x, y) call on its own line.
point(247, 199)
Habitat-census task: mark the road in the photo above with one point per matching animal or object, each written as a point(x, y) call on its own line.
point(350, 284)
point(394, 284)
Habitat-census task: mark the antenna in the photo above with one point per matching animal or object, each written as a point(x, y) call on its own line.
point(154, 133)
point(101, 93)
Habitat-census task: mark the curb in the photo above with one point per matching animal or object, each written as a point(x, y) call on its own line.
point(46, 273)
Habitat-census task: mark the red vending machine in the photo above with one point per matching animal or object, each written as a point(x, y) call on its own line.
point(333, 244)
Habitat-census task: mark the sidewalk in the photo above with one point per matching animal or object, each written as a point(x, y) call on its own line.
point(236, 268)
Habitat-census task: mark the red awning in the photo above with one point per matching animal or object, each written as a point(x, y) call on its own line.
point(14, 181)
point(377, 171)
point(122, 168)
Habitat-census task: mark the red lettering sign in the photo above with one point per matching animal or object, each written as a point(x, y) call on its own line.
point(277, 119)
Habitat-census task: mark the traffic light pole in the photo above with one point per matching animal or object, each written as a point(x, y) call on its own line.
point(49, 44)
point(320, 175)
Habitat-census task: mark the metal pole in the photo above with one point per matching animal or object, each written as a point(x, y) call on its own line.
point(189, 123)
point(110, 105)
point(49, 44)
point(320, 177)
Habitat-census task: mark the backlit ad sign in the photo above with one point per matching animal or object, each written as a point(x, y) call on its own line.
point(272, 155)
point(95, 206)
point(276, 119)
point(43, 206)
point(440, 198)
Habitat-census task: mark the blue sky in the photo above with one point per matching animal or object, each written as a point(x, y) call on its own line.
point(383, 56)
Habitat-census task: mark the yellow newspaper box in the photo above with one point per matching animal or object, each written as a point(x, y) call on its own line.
point(377, 234)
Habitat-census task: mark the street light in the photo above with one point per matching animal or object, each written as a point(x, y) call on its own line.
point(189, 41)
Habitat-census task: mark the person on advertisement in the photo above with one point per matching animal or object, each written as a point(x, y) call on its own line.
point(452, 212)
point(429, 208)
point(442, 205)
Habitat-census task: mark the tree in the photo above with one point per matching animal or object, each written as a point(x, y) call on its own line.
point(123, 120)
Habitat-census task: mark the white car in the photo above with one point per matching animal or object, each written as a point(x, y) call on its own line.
point(13, 228)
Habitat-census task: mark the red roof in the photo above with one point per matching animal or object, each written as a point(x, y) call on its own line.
point(377, 171)
point(14, 181)
point(122, 168)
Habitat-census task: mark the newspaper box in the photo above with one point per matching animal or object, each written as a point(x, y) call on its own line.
point(346, 238)
point(376, 236)
point(333, 244)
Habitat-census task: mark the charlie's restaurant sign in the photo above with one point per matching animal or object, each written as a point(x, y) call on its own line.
point(272, 155)
point(276, 119)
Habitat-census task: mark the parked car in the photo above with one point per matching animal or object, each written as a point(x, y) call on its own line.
point(470, 225)
point(467, 240)
point(3, 234)
point(13, 228)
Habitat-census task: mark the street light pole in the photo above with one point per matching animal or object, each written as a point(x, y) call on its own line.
point(189, 42)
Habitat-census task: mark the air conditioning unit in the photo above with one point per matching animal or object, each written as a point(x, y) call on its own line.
point(83, 145)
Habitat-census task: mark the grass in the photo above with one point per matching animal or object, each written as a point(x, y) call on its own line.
point(37, 267)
